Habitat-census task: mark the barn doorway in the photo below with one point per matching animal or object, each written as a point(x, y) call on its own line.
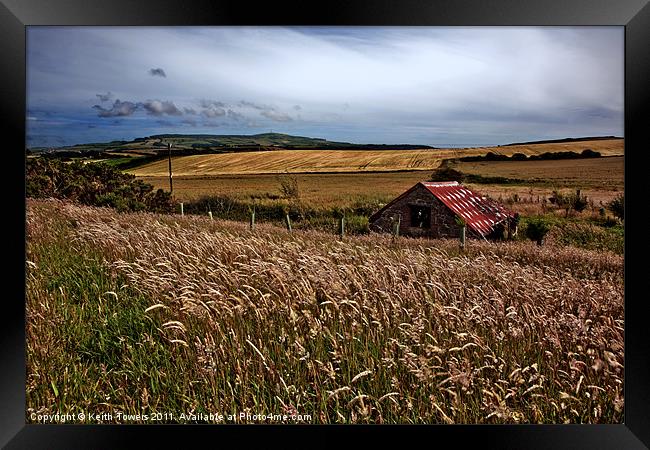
point(420, 216)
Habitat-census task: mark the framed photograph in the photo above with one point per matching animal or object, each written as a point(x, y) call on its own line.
point(347, 216)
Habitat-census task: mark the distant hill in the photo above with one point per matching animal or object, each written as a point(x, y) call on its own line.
point(198, 144)
point(208, 143)
point(559, 141)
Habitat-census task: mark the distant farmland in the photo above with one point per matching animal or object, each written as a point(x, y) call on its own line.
point(341, 161)
point(604, 173)
point(303, 161)
point(599, 178)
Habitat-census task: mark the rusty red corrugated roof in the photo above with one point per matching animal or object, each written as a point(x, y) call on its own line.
point(479, 213)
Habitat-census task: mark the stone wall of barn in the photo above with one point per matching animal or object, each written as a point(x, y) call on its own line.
point(443, 223)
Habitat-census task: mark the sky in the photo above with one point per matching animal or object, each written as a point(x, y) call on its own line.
point(438, 86)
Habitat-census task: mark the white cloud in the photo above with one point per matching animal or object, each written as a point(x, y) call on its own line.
point(398, 77)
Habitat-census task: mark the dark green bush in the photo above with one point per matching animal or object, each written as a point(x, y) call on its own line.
point(95, 184)
point(536, 229)
point(589, 153)
point(491, 156)
point(446, 173)
point(594, 234)
point(617, 206)
point(591, 236)
point(355, 224)
point(568, 202)
point(578, 202)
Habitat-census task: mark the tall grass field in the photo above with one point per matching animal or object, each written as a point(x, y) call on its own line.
point(146, 318)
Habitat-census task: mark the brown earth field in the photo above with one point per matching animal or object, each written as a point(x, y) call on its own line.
point(339, 161)
point(600, 179)
point(601, 173)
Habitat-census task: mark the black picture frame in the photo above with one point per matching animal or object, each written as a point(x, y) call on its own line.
point(15, 15)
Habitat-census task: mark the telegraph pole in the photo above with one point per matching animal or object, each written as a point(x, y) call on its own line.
point(171, 186)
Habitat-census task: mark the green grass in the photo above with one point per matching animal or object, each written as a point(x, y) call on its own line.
point(90, 344)
point(92, 348)
point(273, 209)
point(131, 162)
point(589, 234)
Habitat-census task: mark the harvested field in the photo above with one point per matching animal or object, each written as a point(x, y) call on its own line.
point(596, 173)
point(296, 161)
point(307, 161)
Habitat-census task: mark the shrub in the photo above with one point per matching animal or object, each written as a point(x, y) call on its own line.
point(355, 224)
point(568, 202)
point(608, 222)
point(600, 237)
point(589, 153)
point(617, 206)
point(578, 202)
point(289, 186)
point(446, 173)
point(491, 156)
point(536, 229)
point(95, 184)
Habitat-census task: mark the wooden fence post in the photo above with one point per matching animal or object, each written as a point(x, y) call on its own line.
point(462, 238)
point(182, 213)
point(210, 214)
point(342, 228)
point(396, 225)
point(288, 223)
point(171, 186)
point(253, 219)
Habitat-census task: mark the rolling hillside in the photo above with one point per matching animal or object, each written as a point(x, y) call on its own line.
point(226, 142)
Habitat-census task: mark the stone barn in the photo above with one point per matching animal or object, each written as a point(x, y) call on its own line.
point(431, 209)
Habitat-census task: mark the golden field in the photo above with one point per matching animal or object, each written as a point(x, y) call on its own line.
point(308, 161)
point(316, 189)
point(600, 179)
point(281, 161)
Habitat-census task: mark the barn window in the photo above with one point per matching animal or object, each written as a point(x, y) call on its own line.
point(420, 216)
